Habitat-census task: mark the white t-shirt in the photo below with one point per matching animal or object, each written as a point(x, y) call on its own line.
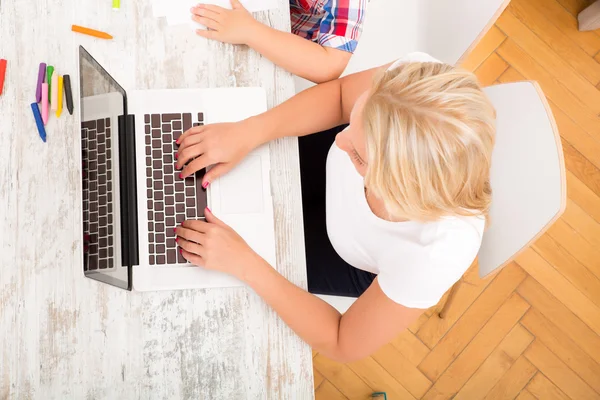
point(416, 263)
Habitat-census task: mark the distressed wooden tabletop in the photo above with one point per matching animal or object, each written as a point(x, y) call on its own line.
point(63, 336)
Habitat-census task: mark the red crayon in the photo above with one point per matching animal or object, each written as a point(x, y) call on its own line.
point(2, 73)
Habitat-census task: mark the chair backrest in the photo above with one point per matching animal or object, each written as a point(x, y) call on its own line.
point(527, 176)
point(444, 29)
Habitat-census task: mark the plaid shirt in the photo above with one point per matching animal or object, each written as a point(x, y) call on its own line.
point(331, 23)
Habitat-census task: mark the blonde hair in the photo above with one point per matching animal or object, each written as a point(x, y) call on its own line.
point(429, 137)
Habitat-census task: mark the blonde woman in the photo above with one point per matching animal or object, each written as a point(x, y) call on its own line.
point(403, 193)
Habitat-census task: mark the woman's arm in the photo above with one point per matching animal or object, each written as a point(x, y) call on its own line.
point(372, 321)
point(313, 110)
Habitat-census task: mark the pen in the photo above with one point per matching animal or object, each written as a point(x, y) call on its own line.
point(90, 32)
point(54, 93)
point(116, 4)
point(3, 63)
point(38, 121)
point(60, 97)
point(45, 103)
point(49, 72)
point(68, 93)
point(41, 76)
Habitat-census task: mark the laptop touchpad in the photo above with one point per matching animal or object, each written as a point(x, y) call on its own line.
point(242, 188)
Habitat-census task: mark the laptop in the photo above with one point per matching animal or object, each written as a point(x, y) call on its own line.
point(132, 196)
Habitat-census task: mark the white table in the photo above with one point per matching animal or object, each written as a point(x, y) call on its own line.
point(64, 336)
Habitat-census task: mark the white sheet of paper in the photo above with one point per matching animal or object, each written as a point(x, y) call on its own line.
point(160, 8)
point(177, 12)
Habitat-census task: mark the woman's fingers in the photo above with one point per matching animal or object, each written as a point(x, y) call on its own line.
point(188, 154)
point(192, 131)
point(194, 166)
point(192, 258)
point(193, 225)
point(207, 22)
point(189, 140)
point(190, 247)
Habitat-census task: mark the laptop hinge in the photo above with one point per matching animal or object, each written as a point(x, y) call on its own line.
point(128, 191)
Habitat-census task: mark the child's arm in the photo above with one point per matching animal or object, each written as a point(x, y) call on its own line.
point(299, 56)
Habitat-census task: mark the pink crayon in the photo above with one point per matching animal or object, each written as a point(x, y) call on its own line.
point(45, 103)
point(54, 94)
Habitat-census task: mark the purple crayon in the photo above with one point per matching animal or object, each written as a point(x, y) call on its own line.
point(41, 77)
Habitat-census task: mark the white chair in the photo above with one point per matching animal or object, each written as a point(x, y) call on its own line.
point(527, 177)
point(444, 29)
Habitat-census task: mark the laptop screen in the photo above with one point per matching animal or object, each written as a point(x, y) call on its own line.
point(102, 106)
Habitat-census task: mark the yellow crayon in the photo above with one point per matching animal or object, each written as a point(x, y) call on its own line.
point(60, 96)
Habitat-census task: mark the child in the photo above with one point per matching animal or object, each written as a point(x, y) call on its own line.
point(332, 29)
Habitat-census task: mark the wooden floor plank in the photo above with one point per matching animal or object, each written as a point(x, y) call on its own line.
point(567, 23)
point(403, 370)
point(318, 379)
point(556, 283)
point(423, 318)
point(526, 395)
point(557, 40)
point(583, 223)
point(568, 266)
point(582, 141)
point(496, 365)
point(563, 347)
point(513, 381)
point(328, 392)
point(492, 39)
point(552, 87)
point(557, 313)
point(581, 167)
point(576, 245)
point(558, 372)
point(467, 362)
point(379, 379)
point(490, 69)
point(472, 321)
point(583, 198)
point(410, 347)
point(511, 75)
point(543, 389)
point(549, 60)
point(342, 377)
point(575, 6)
point(469, 288)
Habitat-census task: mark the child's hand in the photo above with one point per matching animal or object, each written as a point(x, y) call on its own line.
point(230, 26)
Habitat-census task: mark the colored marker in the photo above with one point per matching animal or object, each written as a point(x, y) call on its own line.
point(49, 73)
point(90, 32)
point(45, 103)
point(38, 121)
point(54, 93)
point(3, 63)
point(41, 76)
point(68, 93)
point(116, 5)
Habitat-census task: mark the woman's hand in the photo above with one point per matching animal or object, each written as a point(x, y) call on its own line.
point(233, 26)
point(214, 245)
point(221, 145)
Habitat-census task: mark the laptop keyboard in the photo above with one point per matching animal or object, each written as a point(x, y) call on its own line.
point(170, 200)
point(98, 218)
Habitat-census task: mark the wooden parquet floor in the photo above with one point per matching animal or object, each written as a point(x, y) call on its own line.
point(531, 331)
